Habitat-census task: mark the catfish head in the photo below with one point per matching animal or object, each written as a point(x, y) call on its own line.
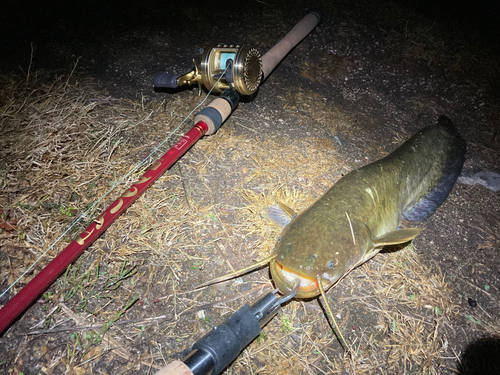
point(323, 244)
point(316, 247)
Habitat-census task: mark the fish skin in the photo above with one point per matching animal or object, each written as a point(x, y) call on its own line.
point(361, 213)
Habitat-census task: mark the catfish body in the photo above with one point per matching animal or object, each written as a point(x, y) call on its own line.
point(361, 213)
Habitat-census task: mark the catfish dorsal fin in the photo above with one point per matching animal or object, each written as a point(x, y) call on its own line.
point(397, 237)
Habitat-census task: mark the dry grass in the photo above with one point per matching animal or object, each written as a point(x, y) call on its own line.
point(64, 144)
point(414, 303)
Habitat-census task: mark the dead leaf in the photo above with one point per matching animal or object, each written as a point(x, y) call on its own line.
point(7, 226)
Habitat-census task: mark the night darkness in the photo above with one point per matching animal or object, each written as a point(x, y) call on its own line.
point(75, 26)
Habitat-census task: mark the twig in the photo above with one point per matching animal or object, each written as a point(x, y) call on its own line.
point(45, 318)
point(475, 286)
point(29, 66)
point(134, 323)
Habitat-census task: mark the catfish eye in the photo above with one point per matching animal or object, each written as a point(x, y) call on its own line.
point(330, 264)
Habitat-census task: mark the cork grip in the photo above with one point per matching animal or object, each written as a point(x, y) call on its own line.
point(211, 118)
point(175, 368)
point(280, 50)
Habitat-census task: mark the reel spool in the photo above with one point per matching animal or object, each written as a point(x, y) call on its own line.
point(242, 67)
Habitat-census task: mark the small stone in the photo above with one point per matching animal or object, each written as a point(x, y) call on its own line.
point(472, 302)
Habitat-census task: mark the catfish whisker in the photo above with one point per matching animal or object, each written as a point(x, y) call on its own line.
point(344, 342)
point(237, 273)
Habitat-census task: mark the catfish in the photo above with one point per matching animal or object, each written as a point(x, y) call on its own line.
point(362, 213)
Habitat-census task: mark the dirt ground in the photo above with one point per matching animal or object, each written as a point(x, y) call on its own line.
point(78, 112)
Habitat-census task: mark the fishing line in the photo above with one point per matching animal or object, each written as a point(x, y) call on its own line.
point(84, 215)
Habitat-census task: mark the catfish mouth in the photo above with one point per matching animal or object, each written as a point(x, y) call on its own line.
point(285, 278)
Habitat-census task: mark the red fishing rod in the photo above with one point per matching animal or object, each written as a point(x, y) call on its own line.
point(232, 70)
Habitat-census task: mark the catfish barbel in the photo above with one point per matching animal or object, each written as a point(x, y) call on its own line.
point(361, 213)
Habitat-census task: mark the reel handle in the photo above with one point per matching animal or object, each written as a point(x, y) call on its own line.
point(166, 80)
point(280, 50)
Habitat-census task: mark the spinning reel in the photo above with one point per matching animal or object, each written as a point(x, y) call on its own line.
point(222, 67)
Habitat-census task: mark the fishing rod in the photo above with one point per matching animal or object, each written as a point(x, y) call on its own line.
point(230, 69)
point(218, 348)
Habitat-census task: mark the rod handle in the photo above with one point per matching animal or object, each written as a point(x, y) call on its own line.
point(280, 50)
point(218, 110)
point(166, 80)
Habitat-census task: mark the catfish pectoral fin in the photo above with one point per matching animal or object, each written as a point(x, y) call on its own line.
point(237, 273)
point(397, 237)
point(279, 214)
